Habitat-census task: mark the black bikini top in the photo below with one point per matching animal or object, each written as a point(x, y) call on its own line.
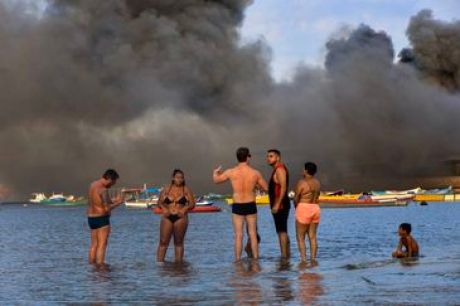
point(182, 201)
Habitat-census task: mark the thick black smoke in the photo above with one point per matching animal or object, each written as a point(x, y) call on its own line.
point(435, 49)
point(148, 86)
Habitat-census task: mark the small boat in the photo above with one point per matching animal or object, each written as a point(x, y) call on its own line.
point(141, 197)
point(56, 199)
point(196, 209)
point(384, 198)
point(203, 201)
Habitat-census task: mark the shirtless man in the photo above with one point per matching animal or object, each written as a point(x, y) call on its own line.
point(406, 241)
point(244, 180)
point(100, 206)
point(307, 212)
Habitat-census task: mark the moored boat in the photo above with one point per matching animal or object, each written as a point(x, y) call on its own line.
point(141, 197)
point(56, 199)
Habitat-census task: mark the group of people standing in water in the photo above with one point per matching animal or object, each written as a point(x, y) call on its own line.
point(177, 199)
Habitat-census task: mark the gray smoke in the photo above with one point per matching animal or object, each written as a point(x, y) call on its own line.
point(148, 86)
point(435, 49)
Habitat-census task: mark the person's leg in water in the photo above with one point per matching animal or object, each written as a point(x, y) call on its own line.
point(281, 219)
point(93, 247)
point(252, 229)
point(238, 225)
point(248, 248)
point(102, 242)
point(313, 242)
point(166, 231)
point(301, 230)
point(285, 244)
point(180, 229)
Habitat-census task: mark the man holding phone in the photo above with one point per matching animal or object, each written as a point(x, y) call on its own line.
point(100, 206)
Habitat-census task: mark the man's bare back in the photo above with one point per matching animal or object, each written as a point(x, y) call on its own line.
point(244, 180)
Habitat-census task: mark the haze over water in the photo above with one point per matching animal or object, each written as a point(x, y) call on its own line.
point(44, 253)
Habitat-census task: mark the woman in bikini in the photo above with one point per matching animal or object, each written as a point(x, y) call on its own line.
point(175, 201)
point(307, 212)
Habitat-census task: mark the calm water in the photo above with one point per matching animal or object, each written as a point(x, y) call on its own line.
point(43, 260)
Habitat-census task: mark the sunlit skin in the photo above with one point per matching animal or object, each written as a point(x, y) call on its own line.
point(100, 204)
point(175, 191)
point(280, 178)
point(244, 180)
point(408, 243)
point(307, 191)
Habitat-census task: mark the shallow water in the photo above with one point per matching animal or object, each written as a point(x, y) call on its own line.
point(43, 260)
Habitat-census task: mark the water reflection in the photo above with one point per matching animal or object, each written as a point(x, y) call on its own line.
point(310, 287)
point(282, 285)
point(246, 290)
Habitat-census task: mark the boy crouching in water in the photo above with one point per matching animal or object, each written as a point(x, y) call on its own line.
point(407, 241)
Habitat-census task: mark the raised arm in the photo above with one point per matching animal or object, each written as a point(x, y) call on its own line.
point(219, 176)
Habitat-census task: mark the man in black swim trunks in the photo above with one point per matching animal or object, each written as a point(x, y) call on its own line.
point(279, 200)
point(244, 180)
point(100, 206)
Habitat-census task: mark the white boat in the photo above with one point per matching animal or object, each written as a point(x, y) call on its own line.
point(141, 197)
point(38, 197)
point(203, 201)
point(57, 197)
point(386, 198)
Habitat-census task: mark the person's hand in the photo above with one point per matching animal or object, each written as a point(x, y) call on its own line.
point(275, 209)
point(118, 200)
point(218, 170)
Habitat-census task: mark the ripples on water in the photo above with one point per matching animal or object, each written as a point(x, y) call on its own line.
point(43, 260)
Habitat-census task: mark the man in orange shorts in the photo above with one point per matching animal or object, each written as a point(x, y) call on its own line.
point(307, 212)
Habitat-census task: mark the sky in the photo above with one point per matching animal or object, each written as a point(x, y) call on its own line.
point(296, 30)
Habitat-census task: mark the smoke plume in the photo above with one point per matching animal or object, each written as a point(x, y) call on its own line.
point(435, 49)
point(147, 86)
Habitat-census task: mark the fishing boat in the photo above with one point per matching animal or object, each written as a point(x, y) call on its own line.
point(203, 201)
point(141, 197)
point(56, 199)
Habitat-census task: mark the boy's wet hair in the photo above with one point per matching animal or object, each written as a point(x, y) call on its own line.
point(111, 174)
point(406, 227)
point(311, 168)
